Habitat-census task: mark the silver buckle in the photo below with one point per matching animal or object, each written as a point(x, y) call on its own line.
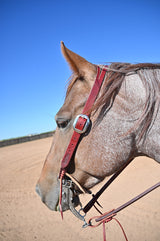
point(86, 124)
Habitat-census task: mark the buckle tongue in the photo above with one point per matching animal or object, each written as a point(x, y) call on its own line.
point(85, 126)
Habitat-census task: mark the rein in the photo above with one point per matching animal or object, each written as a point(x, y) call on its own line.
point(80, 126)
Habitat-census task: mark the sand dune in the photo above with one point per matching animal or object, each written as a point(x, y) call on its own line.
point(23, 217)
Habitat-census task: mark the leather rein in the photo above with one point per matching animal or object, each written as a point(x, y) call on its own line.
point(80, 126)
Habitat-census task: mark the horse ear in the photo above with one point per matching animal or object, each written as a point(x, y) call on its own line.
point(78, 65)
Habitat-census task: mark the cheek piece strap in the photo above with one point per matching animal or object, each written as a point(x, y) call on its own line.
point(80, 126)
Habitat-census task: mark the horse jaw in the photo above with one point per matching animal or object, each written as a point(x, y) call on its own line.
point(91, 182)
point(85, 179)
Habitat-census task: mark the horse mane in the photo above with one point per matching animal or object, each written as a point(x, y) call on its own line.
point(150, 77)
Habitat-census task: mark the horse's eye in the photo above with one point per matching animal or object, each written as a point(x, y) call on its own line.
point(62, 123)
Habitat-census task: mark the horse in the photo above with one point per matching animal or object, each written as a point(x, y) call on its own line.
point(124, 124)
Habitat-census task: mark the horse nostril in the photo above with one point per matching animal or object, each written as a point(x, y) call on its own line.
point(37, 189)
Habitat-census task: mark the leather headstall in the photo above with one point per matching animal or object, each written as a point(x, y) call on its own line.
point(80, 126)
point(82, 121)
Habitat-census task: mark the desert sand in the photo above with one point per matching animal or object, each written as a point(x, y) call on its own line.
point(23, 217)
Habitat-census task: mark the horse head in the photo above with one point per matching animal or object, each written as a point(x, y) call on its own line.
point(84, 74)
point(105, 147)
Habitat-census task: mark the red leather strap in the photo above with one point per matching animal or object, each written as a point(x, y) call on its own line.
point(82, 121)
point(95, 90)
point(73, 143)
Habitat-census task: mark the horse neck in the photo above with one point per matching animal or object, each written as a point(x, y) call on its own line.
point(143, 96)
point(135, 112)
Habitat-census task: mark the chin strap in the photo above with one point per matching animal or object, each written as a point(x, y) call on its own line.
point(75, 181)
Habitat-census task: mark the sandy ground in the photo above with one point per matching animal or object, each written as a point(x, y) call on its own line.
point(23, 217)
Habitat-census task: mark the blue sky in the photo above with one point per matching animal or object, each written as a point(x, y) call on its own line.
point(33, 73)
